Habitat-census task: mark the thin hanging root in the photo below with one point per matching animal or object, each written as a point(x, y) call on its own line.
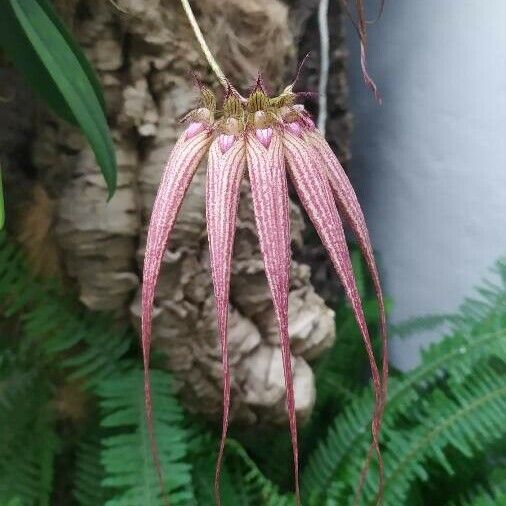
point(360, 23)
point(324, 64)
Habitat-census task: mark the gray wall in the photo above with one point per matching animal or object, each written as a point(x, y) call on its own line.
point(430, 164)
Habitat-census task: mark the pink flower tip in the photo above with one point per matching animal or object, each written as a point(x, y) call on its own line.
point(264, 135)
point(294, 127)
point(225, 142)
point(194, 129)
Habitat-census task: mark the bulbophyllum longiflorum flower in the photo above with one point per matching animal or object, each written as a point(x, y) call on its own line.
point(270, 139)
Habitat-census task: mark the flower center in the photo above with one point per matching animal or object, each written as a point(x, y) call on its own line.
point(259, 112)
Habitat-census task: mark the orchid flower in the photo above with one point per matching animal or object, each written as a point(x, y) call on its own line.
point(275, 139)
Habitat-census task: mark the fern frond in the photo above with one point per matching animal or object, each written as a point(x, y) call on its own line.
point(350, 432)
point(28, 442)
point(490, 493)
point(243, 483)
point(86, 345)
point(203, 451)
point(89, 473)
point(452, 359)
point(15, 501)
point(485, 498)
point(418, 324)
point(203, 482)
point(259, 489)
point(468, 419)
point(127, 456)
point(485, 312)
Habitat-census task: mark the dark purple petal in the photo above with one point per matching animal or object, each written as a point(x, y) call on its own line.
point(179, 170)
point(313, 188)
point(227, 158)
point(349, 207)
point(266, 166)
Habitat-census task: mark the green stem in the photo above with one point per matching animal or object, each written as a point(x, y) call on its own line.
point(203, 44)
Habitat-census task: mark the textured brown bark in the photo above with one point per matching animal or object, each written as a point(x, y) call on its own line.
point(143, 52)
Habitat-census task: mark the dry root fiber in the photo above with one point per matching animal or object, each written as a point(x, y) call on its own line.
point(247, 36)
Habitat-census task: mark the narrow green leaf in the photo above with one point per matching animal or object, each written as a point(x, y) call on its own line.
point(63, 65)
point(17, 46)
point(76, 49)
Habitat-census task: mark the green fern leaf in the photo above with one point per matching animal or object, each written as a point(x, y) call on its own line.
point(203, 453)
point(452, 359)
point(490, 493)
point(89, 473)
point(484, 498)
point(130, 474)
point(242, 481)
point(258, 488)
point(28, 442)
point(86, 345)
point(468, 419)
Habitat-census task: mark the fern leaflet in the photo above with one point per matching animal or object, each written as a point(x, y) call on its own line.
point(130, 474)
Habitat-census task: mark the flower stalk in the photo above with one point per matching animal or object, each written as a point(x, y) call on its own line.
point(203, 44)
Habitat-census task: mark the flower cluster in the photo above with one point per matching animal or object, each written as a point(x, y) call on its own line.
point(271, 138)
